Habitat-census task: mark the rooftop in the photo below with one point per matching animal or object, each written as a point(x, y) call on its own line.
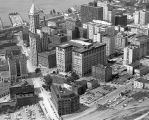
point(23, 87)
point(142, 80)
point(65, 45)
point(62, 92)
point(47, 53)
point(84, 49)
point(81, 42)
point(12, 51)
point(102, 66)
point(5, 74)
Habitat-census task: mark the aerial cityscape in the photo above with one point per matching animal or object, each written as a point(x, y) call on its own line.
point(88, 61)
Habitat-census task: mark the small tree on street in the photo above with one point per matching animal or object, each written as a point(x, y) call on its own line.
point(48, 81)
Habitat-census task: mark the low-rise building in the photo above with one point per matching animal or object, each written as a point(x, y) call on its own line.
point(58, 38)
point(78, 87)
point(47, 59)
point(141, 83)
point(141, 70)
point(4, 89)
point(142, 41)
point(4, 76)
point(3, 63)
point(102, 73)
point(92, 84)
point(65, 101)
point(23, 93)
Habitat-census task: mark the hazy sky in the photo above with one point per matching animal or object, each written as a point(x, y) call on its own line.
point(23, 6)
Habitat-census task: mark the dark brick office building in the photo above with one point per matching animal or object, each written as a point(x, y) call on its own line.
point(65, 101)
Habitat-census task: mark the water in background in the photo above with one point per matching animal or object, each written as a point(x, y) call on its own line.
point(23, 6)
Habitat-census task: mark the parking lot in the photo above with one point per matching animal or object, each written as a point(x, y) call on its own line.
point(32, 112)
point(89, 97)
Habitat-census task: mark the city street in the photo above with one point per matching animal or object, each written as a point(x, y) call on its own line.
point(46, 102)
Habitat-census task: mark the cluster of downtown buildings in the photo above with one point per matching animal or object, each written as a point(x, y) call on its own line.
point(80, 42)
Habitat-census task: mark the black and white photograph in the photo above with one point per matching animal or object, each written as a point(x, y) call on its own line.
point(74, 59)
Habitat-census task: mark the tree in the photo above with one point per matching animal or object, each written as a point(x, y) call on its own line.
point(74, 75)
point(48, 81)
point(37, 70)
point(70, 79)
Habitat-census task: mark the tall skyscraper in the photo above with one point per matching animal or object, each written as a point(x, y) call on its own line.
point(34, 25)
point(33, 19)
point(34, 41)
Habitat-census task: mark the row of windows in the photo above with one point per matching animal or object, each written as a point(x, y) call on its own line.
point(4, 94)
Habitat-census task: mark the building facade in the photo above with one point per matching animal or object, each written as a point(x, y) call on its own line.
point(47, 59)
point(141, 17)
point(23, 93)
point(58, 38)
point(64, 57)
point(102, 73)
point(34, 24)
point(110, 44)
point(91, 12)
point(84, 58)
point(43, 42)
point(17, 64)
point(65, 101)
point(34, 19)
point(131, 55)
point(121, 41)
point(120, 20)
point(34, 47)
point(104, 5)
point(141, 83)
point(71, 23)
point(142, 42)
